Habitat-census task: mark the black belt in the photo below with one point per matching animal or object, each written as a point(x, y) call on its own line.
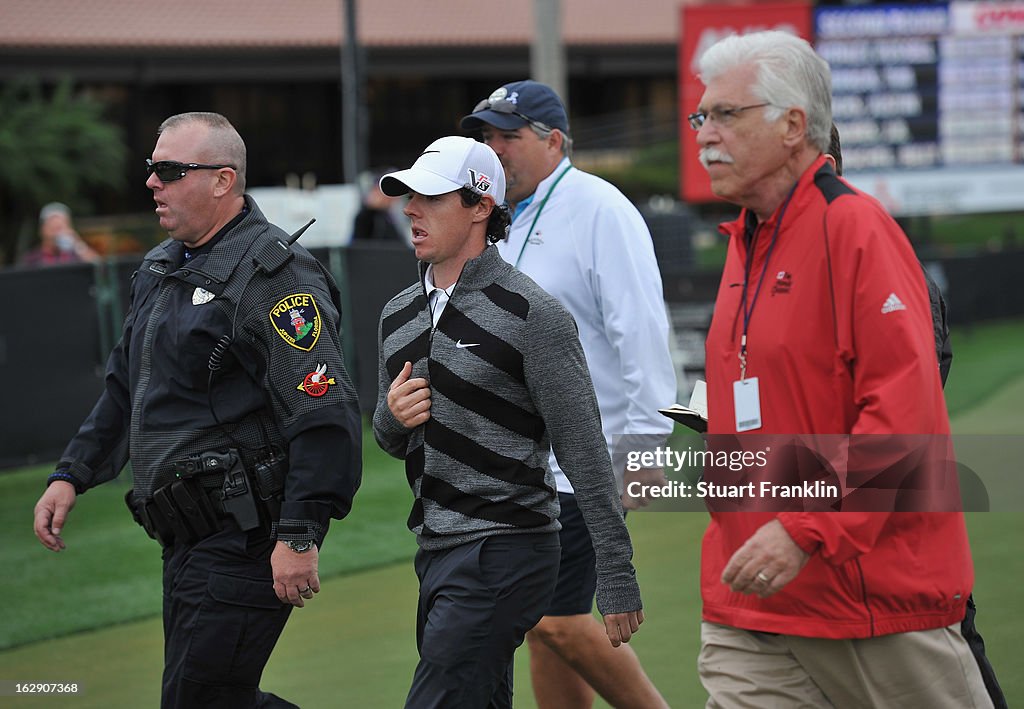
point(188, 510)
point(181, 511)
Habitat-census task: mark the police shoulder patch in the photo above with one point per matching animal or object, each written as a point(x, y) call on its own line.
point(296, 318)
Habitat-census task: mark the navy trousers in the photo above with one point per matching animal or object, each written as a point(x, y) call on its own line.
point(476, 603)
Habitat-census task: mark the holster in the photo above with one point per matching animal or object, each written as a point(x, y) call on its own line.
point(187, 510)
point(145, 516)
point(212, 490)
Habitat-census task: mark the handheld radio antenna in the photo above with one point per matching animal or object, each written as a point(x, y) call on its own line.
point(295, 237)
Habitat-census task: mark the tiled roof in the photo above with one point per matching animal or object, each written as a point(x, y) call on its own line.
point(113, 24)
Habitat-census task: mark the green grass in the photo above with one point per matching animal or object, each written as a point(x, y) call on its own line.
point(112, 569)
point(972, 231)
point(355, 644)
point(933, 237)
point(985, 359)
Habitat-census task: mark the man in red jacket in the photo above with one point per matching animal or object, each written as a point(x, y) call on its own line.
point(821, 329)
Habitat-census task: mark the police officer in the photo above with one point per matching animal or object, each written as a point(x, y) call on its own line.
point(228, 392)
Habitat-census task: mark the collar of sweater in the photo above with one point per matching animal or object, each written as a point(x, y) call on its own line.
point(478, 272)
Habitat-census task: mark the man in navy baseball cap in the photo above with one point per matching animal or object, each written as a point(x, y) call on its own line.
point(517, 104)
point(580, 239)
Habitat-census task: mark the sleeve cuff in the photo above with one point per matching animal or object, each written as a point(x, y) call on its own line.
point(620, 598)
point(389, 432)
point(299, 530)
point(802, 536)
point(302, 520)
point(68, 478)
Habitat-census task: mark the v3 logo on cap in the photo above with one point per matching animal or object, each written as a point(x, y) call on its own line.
point(480, 181)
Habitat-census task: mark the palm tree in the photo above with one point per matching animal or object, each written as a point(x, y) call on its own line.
point(53, 146)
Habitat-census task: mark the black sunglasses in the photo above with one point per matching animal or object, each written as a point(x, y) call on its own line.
point(506, 106)
point(171, 170)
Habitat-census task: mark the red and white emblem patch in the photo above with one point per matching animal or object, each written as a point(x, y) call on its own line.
point(316, 383)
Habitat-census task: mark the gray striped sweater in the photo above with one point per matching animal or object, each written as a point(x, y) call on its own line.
point(508, 380)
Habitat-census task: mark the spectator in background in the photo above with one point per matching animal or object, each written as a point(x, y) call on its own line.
point(59, 242)
point(380, 218)
point(583, 242)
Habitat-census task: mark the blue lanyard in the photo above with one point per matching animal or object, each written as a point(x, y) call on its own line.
point(749, 313)
point(537, 215)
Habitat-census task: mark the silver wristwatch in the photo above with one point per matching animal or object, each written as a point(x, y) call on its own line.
point(301, 547)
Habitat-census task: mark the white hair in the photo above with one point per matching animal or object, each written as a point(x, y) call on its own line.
point(789, 74)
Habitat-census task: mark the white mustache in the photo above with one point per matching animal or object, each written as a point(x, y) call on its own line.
point(709, 155)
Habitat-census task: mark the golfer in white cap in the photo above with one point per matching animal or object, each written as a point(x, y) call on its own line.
point(481, 372)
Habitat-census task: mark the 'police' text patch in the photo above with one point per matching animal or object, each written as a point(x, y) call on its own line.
point(297, 320)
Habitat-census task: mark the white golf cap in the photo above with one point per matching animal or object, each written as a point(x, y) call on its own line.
point(449, 164)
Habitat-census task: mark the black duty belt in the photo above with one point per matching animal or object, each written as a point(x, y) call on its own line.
point(211, 491)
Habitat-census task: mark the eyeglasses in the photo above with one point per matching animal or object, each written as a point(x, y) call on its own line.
point(506, 106)
point(721, 116)
point(171, 170)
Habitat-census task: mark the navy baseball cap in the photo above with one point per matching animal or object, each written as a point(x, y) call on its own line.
point(517, 104)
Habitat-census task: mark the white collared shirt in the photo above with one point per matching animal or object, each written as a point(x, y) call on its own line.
point(591, 249)
point(436, 297)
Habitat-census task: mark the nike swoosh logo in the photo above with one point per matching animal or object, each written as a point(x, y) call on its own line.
point(462, 346)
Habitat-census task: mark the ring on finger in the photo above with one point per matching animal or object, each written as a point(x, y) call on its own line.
point(762, 578)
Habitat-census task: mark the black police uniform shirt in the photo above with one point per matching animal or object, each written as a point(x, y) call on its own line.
point(281, 382)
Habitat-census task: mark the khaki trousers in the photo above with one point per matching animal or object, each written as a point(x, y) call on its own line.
point(927, 669)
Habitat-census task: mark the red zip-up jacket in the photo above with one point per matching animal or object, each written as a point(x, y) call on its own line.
point(853, 357)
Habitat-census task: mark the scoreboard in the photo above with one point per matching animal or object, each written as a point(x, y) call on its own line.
point(885, 81)
point(928, 97)
point(928, 101)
